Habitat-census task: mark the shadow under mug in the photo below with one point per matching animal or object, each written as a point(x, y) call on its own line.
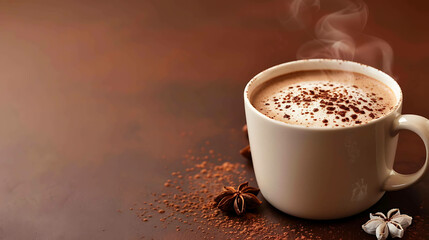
point(328, 173)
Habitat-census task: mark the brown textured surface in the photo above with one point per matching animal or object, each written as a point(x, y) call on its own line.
point(100, 101)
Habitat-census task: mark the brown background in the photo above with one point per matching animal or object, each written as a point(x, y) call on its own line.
point(94, 97)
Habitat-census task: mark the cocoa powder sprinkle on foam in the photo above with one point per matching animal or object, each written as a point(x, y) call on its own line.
point(310, 102)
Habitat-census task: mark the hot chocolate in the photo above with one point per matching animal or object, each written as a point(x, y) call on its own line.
point(324, 98)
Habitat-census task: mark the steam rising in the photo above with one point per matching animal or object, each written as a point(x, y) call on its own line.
point(340, 35)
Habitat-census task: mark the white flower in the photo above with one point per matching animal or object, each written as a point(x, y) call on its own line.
point(395, 223)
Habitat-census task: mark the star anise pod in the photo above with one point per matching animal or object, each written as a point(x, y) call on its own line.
point(238, 200)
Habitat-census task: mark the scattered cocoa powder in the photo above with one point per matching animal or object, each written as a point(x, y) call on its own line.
point(189, 201)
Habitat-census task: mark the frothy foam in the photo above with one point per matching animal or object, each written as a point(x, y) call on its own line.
point(324, 98)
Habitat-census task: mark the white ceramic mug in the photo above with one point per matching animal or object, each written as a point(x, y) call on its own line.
point(328, 173)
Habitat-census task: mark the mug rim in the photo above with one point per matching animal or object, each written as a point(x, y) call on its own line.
point(275, 68)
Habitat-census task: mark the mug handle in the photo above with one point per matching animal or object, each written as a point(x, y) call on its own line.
point(419, 125)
